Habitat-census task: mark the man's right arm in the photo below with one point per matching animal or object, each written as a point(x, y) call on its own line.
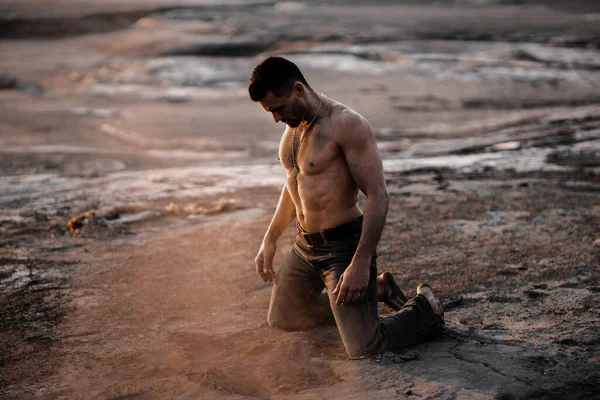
point(284, 214)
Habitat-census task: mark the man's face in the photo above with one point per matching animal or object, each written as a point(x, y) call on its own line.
point(285, 109)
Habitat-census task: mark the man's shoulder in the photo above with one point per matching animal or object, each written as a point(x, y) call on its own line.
point(347, 124)
point(344, 117)
point(341, 113)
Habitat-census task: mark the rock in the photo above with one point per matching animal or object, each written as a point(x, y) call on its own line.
point(567, 340)
point(582, 158)
point(227, 48)
point(146, 23)
point(7, 82)
point(503, 299)
point(513, 145)
point(408, 356)
point(92, 224)
point(534, 294)
point(507, 272)
point(453, 303)
point(511, 270)
point(443, 186)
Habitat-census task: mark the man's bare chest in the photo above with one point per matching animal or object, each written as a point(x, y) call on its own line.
point(310, 153)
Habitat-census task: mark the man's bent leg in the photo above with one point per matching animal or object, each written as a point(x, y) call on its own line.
point(362, 332)
point(358, 323)
point(297, 301)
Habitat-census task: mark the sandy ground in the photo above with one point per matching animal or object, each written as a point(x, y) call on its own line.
point(487, 115)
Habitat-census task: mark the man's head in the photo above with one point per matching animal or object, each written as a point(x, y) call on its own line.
point(279, 86)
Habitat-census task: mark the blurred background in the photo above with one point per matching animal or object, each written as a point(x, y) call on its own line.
point(96, 87)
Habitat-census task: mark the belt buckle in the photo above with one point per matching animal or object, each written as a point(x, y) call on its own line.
point(307, 238)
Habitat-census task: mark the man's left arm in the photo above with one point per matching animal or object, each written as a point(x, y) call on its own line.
point(357, 141)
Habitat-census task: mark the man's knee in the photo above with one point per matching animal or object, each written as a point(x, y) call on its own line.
point(287, 321)
point(357, 351)
point(280, 322)
point(275, 321)
point(362, 346)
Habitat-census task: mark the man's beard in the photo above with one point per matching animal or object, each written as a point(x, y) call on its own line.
point(292, 124)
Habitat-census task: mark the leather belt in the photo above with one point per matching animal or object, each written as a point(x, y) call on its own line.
point(320, 238)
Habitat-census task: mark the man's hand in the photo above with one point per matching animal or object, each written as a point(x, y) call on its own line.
point(264, 261)
point(353, 283)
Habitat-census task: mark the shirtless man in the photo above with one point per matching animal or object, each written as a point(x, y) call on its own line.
point(329, 153)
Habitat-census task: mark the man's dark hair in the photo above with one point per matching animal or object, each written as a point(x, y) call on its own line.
point(276, 75)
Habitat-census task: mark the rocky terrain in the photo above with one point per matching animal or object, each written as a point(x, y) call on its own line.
point(138, 179)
